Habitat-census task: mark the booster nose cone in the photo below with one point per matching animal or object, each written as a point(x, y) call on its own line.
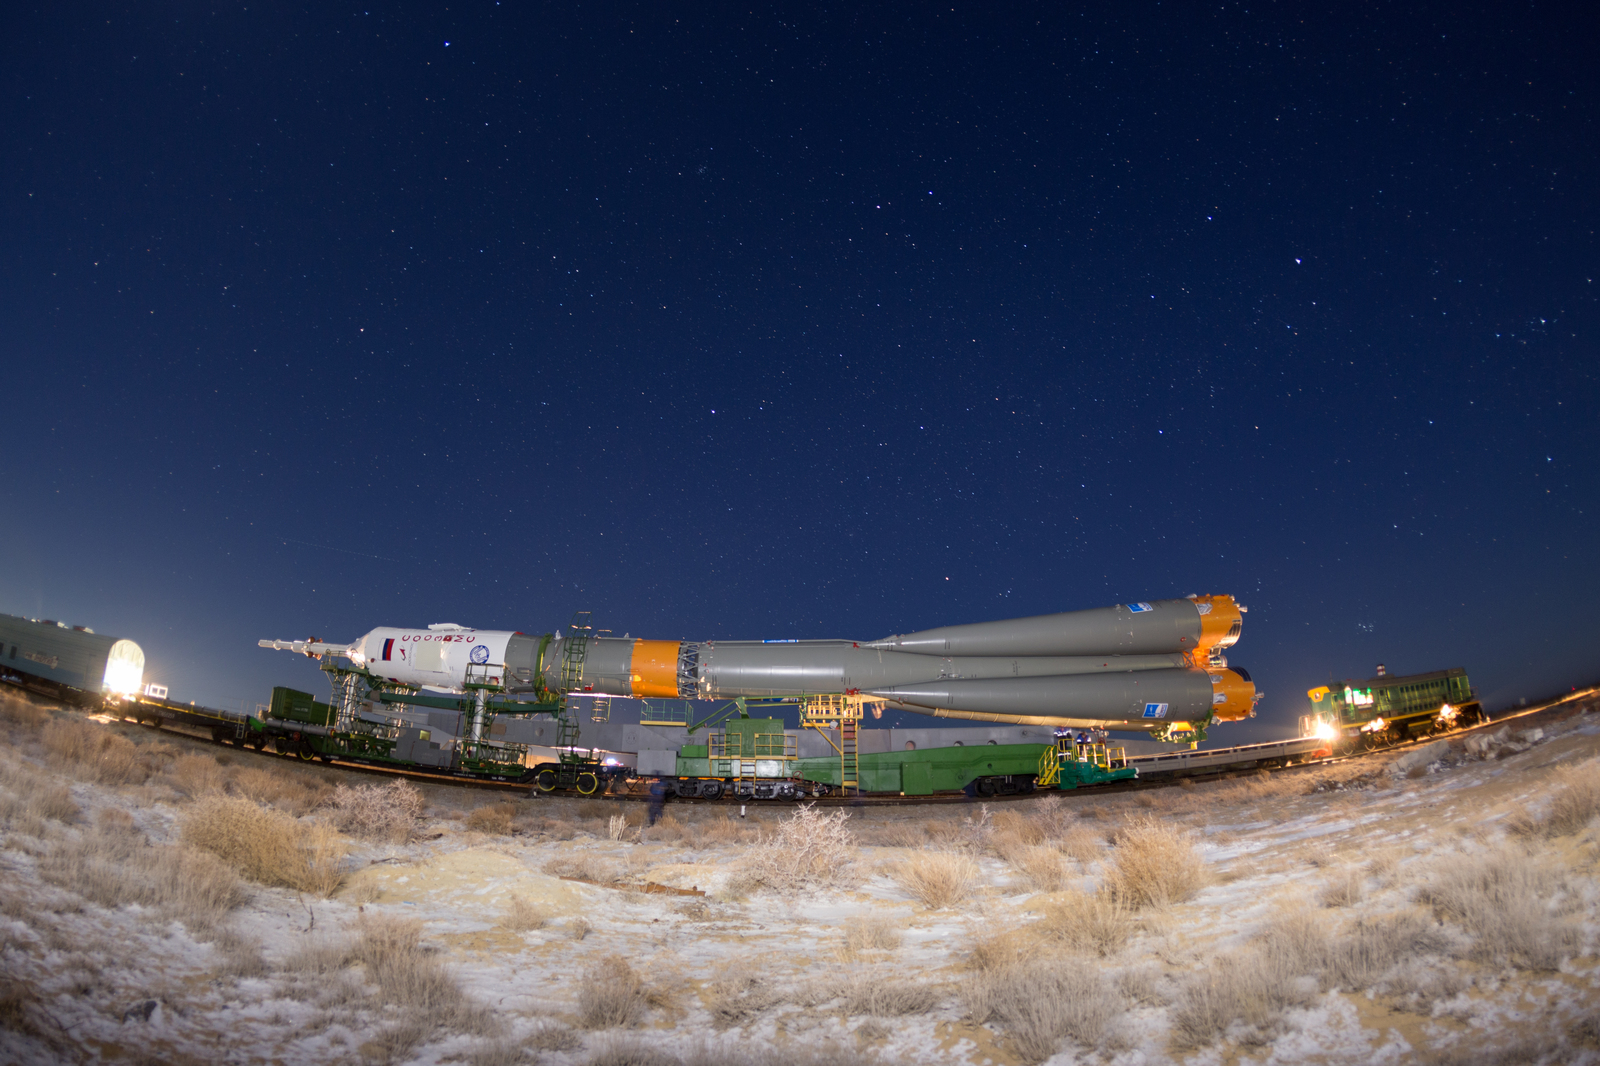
point(1233, 694)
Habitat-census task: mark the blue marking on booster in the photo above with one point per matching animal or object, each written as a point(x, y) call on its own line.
point(480, 654)
point(1155, 710)
point(1140, 608)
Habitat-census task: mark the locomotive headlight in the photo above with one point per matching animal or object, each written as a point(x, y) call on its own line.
point(1324, 730)
point(1377, 725)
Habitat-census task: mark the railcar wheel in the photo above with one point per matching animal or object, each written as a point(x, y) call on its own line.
point(545, 780)
point(711, 790)
point(587, 783)
point(259, 743)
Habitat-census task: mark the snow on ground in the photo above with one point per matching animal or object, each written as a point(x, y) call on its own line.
point(728, 971)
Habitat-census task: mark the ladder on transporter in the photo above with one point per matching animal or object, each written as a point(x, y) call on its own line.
point(841, 712)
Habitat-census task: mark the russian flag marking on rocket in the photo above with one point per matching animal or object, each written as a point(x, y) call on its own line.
point(388, 648)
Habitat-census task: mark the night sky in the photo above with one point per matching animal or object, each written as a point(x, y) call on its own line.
point(804, 322)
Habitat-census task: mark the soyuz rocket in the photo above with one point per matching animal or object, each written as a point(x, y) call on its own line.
point(1134, 666)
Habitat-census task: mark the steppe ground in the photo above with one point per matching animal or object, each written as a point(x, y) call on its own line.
point(167, 900)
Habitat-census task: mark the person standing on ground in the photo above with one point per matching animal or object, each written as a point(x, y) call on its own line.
point(658, 800)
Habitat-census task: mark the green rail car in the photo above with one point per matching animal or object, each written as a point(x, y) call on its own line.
point(755, 758)
point(989, 769)
point(1385, 709)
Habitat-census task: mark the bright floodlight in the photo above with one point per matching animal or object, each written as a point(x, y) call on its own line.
point(125, 668)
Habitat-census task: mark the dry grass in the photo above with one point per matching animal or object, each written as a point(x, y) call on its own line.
point(29, 799)
point(889, 995)
point(494, 819)
point(285, 786)
point(1248, 988)
point(1082, 844)
point(871, 933)
point(114, 867)
point(735, 996)
point(1094, 924)
point(410, 976)
point(17, 711)
point(96, 752)
point(1512, 904)
point(938, 879)
point(1014, 827)
point(1041, 1005)
point(722, 831)
point(522, 916)
point(548, 1036)
point(807, 850)
point(267, 845)
point(1345, 887)
point(610, 995)
point(196, 775)
point(584, 866)
point(1577, 799)
point(1154, 864)
point(501, 1053)
point(1043, 869)
point(378, 812)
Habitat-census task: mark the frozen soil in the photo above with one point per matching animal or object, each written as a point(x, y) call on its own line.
point(1339, 915)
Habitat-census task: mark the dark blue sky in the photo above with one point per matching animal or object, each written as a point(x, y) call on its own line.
point(802, 322)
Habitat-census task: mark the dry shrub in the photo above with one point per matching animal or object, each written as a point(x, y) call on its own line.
point(578, 928)
point(1512, 904)
point(1097, 924)
point(1044, 869)
point(410, 976)
point(736, 996)
point(617, 826)
point(267, 845)
point(610, 995)
point(114, 867)
point(494, 819)
point(871, 933)
point(807, 850)
point(1040, 1005)
point(1154, 864)
point(522, 916)
point(95, 752)
point(938, 878)
point(196, 775)
point(380, 812)
point(284, 787)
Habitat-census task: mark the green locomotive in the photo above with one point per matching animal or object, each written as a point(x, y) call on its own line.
point(1384, 710)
